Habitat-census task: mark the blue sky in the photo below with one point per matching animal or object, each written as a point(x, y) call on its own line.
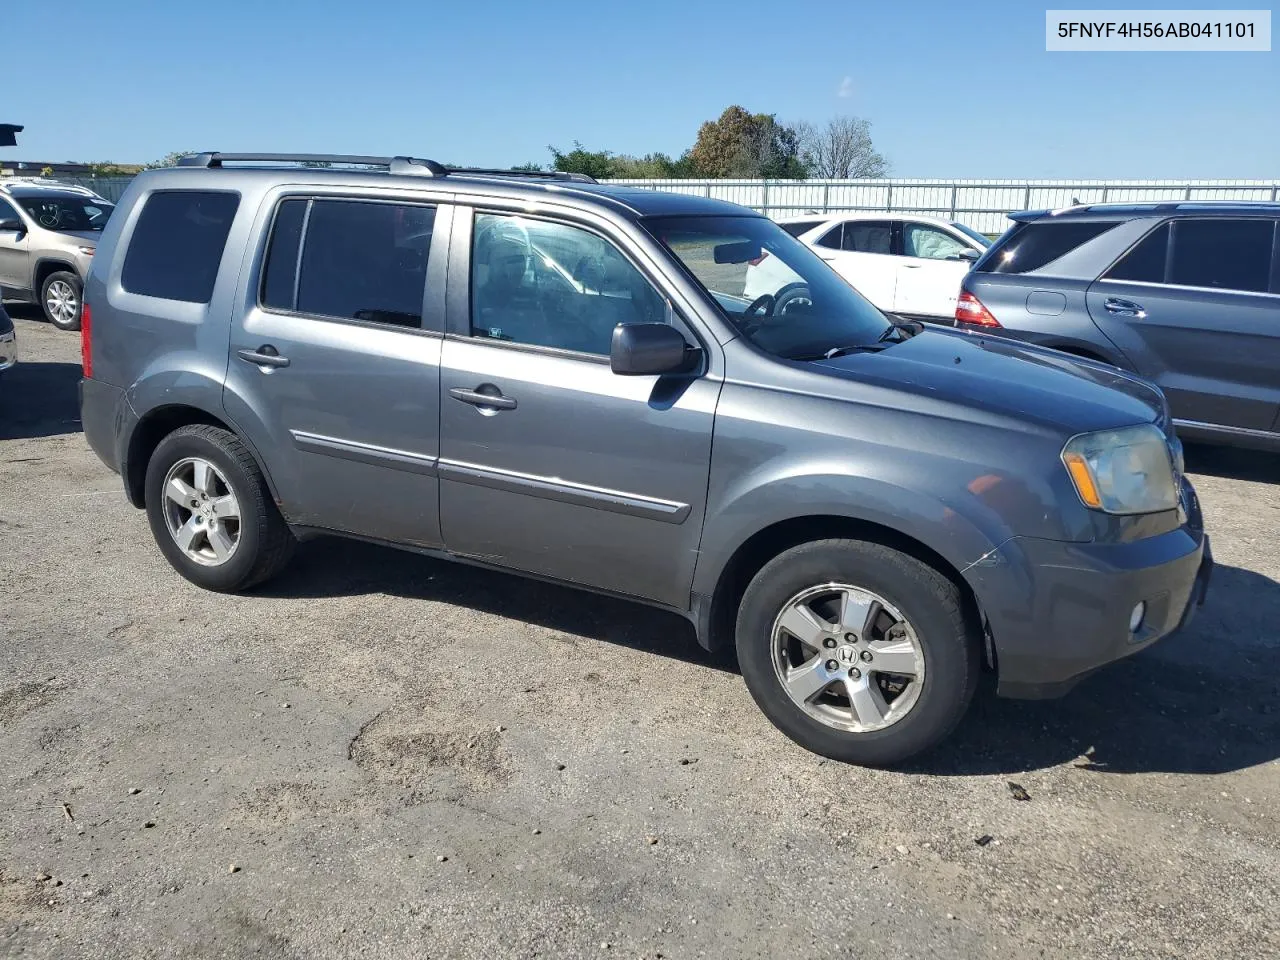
point(952, 89)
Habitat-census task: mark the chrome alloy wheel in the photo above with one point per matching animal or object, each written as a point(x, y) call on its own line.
point(201, 511)
point(61, 301)
point(847, 657)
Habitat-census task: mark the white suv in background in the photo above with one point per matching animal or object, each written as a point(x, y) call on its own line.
point(904, 264)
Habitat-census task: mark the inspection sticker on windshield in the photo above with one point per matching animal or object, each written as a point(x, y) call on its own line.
point(1177, 30)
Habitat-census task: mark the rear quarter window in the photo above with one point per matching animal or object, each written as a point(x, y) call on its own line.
point(1038, 244)
point(177, 244)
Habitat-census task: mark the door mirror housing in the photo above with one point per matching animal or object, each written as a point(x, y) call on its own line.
point(12, 226)
point(969, 256)
point(646, 349)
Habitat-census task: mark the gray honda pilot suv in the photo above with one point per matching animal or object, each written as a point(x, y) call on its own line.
point(549, 376)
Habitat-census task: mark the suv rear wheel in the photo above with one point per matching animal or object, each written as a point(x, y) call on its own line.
point(60, 297)
point(856, 651)
point(211, 512)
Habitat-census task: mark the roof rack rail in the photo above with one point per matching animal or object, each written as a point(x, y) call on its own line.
point(51, 183)
point(536, 174)
point(411, 166)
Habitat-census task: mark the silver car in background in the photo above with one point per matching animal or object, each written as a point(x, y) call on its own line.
point(48, 234)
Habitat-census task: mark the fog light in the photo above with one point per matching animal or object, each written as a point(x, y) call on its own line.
point(1135, 618)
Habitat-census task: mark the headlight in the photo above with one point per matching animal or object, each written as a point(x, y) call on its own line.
point(1122, 471)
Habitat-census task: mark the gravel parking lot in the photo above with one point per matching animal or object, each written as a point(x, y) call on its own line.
point(384, 755)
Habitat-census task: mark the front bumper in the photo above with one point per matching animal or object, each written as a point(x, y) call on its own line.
point(1059, 611)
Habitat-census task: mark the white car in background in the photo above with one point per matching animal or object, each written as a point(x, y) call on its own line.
point(904, 264)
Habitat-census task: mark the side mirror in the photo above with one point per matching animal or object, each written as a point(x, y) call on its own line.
point(12, 226)
point(969, 255)
point(645, 349)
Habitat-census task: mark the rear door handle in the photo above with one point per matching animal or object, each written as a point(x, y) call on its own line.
point(265, 356)
point(485, 395)
point(1124, 308)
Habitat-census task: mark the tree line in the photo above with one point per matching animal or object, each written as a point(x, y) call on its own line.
point(742, 145)
point(736, 145)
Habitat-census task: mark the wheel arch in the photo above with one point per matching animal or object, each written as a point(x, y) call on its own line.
point(45, 266)
point(156, 424)
point(715, 612)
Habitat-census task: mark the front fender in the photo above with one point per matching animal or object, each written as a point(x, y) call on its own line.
point(962, 533)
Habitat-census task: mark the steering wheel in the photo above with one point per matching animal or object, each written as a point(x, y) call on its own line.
point(791, 293)
point(763, 305)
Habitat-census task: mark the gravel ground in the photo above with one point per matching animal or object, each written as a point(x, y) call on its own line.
point(384, 755)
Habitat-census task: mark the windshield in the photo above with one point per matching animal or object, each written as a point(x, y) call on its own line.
point(67, 213)
point(981, 238)
point(771, 287)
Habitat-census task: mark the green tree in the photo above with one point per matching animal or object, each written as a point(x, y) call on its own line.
point(652, 166)
point(169, 159)
point(598, 164)
point(747, 145)
point(528, 167)
point(108, 170)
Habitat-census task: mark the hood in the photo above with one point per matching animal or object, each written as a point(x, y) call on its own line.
point(1007, 379)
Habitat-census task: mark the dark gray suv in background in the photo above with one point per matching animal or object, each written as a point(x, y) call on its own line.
point(1185, 294)
point(548, 376)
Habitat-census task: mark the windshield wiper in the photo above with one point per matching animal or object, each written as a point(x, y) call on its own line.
point(841, 351)
point(908, 329)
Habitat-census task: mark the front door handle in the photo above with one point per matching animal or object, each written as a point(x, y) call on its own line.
point(1124, 308)
point(265, 356)
point(485, 395)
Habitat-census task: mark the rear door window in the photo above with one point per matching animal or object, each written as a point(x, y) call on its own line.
point(360, 260)
point(1222, 253)
point(279, 277)
point(1038, 244)
point(177, 244)
point(1144, 263)
point(868, 236)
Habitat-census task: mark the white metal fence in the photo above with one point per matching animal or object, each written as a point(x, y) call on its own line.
point(980, 204)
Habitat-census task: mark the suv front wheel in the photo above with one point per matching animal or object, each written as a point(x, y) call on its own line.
point(856, 651)
point(210, 510)
point(60, 296)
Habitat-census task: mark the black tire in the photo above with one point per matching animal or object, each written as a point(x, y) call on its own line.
point(69, 278)
point(929, 601)
point(265, 543)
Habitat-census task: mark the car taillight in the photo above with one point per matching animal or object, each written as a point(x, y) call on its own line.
point(969, 309)
point(86, 340)
point(756, 262)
